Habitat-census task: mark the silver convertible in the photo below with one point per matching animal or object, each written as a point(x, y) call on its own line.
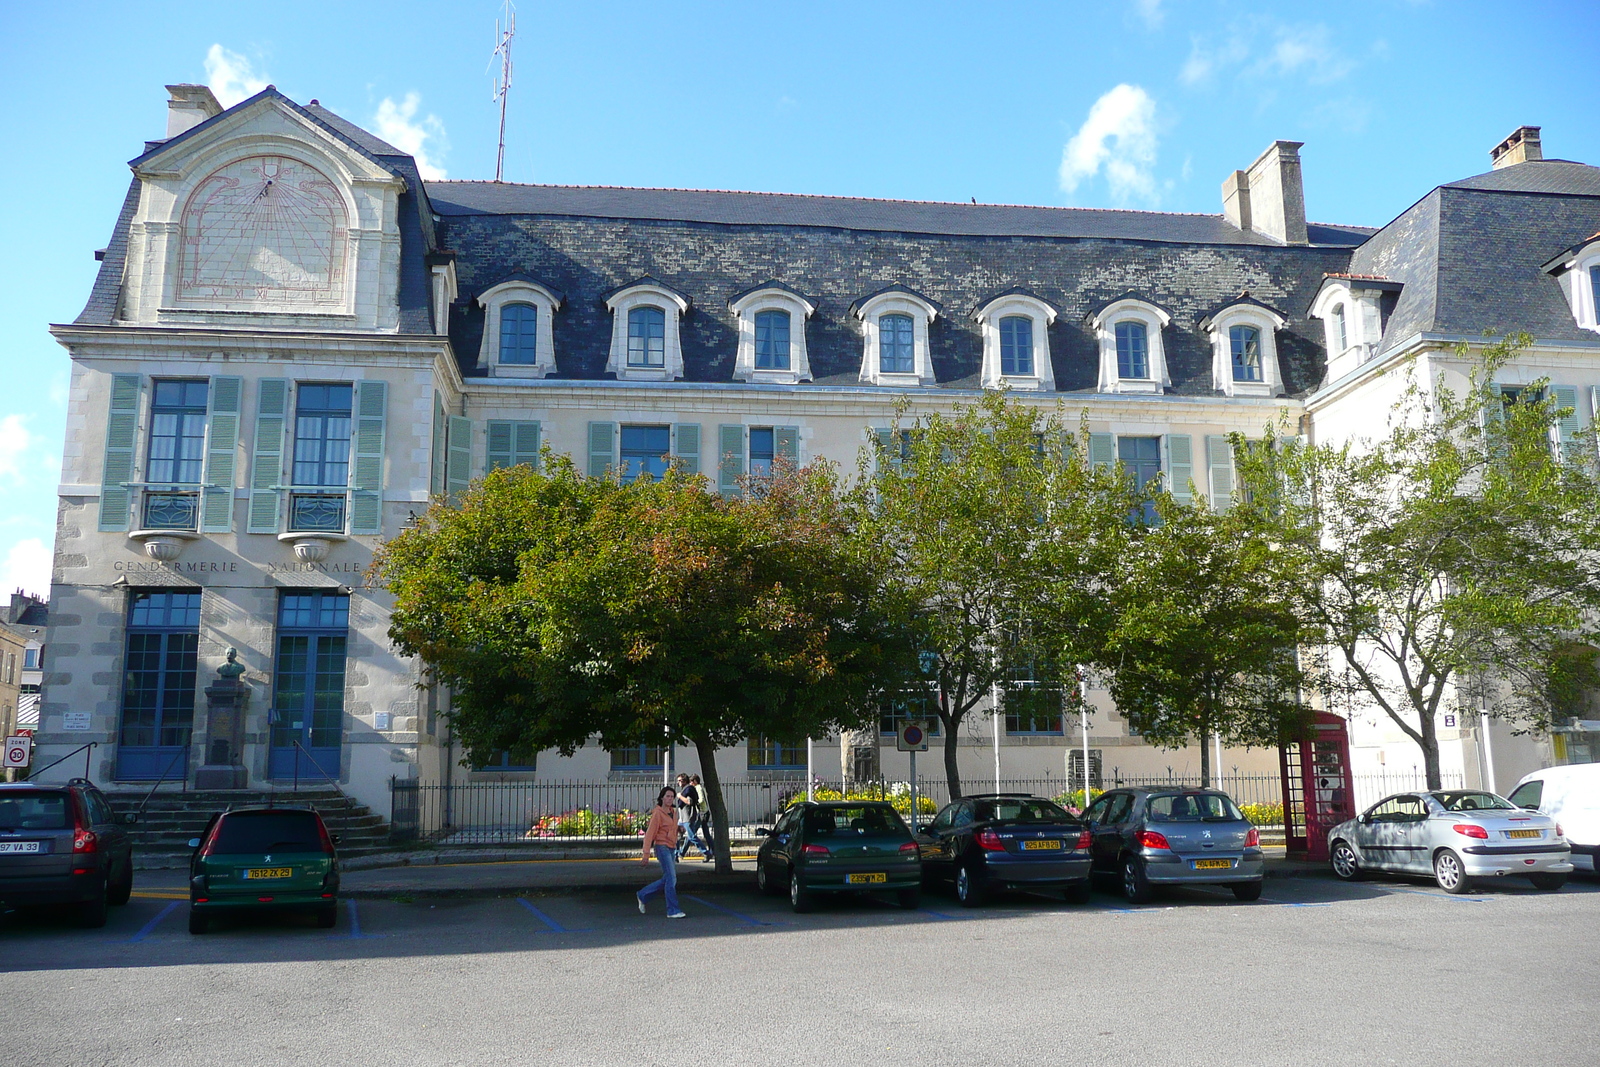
point(1455, 835)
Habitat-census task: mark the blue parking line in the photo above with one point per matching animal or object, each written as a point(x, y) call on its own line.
point(355, 924)
point(729, 911)
point(554, 926)
point(148, 928)
point(1444, 896)
point(941, 915)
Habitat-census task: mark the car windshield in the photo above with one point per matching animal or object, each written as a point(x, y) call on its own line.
point(1019, 810)
point(873, 819)
point(34, 811)
point(268, 831)
point(1194, 807)
point(1471, 801)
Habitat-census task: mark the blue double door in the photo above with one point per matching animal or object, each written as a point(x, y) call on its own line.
point(307, 731)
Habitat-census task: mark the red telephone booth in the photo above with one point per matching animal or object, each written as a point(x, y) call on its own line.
point(1318, 792)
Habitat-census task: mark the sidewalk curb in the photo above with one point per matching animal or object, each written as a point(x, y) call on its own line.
point(454, 856)
point(738, 880)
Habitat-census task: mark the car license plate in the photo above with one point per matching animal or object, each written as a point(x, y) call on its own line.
point(1524, 833)
point(1212, 865)
point(19, 846)
point(1029, 846)
point(866, 879)
point(269, 872)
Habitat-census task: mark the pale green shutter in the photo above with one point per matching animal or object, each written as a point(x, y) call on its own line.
point(686, 446)
point(366, 472)
point(1102, 449)
point(1566, 396)
point(500, 445)
point(512, 444)
point(122, 435)
point(602, 448)
point(786, 444)
point(458, 467)
point(1219, 471)
point(222, 455)
point(730, 458)
point(1180, 467)
point(437, 456)
point(266, 470)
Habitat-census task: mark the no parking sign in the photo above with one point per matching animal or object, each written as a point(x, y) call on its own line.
point(19, 750)
point(913, 737)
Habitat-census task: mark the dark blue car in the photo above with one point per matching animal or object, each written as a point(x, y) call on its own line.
point(993, 841)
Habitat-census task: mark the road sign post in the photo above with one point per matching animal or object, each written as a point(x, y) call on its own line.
point(913, 738)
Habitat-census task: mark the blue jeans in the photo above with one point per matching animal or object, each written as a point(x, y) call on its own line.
point(668, 880)
point(691, 836)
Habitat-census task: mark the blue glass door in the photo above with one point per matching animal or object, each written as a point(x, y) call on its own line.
point(158, 685)
point(307, 732)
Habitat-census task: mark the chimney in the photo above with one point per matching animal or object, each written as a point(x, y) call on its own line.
point(188, 106)
point(1521, 147)
point(1236, 199)
point(1277, 200)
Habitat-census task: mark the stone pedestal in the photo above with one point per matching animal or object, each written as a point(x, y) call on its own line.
point(858, 757)
point(222, 764)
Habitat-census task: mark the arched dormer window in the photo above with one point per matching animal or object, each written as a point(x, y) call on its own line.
point(1244, 348)
point(1016, 340)
point(1351, 309)
point(1133, 357)
point(1578, 271)
point(1340, 329)
point(772, 335)
point(894, 327)
point(645, 342)
point(518, 331)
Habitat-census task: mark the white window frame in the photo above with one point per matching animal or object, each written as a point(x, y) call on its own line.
point(891, 302)
point(1579, 289)
point(519, 291)
point(1026, 306)
point(673, 307)
point(772, 298)
point(1154, 319)
point(1268, 322)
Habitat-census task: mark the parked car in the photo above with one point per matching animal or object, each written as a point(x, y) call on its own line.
point(279, 859)
point(839, 847)
point(1149, 837)
point(1457, 835)
point(61, 844)
point(1571, 796)
point(992, 841)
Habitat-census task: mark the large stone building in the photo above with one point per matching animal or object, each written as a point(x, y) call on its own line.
point(294, 342)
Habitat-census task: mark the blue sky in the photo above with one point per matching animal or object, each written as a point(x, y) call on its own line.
point(1139, 103)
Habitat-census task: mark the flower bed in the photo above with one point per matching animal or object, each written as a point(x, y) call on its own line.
point(585, 822)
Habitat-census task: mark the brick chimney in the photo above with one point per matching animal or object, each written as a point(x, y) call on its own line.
point(1269, 198)
point(1521, 147)
point(188, 106)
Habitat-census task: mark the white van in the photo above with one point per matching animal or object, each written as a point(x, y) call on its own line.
point(1570, 795)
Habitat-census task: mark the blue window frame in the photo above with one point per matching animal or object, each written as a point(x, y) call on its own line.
point(1133, 350)
point(896, 345)
point(502, 760)
point(177, 432)
point(761, 451)
point(908, 707)
point(1141, 456)
point(646, 451)
point(308, 683)
point(772, 340)
point(1246, 344)
point(1016, 345)
point(159, 681)
point(322, 435)
point(1594, 287)
point(519, 333)
point(639, 759)
point(647, 337)
point(767, 754)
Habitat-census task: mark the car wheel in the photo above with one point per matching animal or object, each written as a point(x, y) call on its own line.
point(199, 922)
point(122, 888)
point(1077, 894)
point(763, 883)
point(1548, 882)
point(92, 912)
point(909, 898)
point(1135, 885)
point(800, 898)
point(1246, 890)
point(1450, 875)
point(968, 890)
point(328, 917)
point(1343, 861)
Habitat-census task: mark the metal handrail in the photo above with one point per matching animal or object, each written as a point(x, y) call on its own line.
point(81, 748)
point(299, 748)
point(137, 815)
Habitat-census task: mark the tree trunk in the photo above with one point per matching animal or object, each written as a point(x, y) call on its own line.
point(719, 808)
point(952, 767)
point(1430, 752)
point(1205, 755)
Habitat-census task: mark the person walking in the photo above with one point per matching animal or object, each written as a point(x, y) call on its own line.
point(700, 821)
point(690, 799)
point(661, 838)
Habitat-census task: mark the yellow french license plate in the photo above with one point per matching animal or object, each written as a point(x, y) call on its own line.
point(1212, 865)
point(269, 872)
point(1029, 846)
point(1523, 833)
point(866, 879)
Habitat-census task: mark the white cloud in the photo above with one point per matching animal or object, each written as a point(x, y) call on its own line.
point(1306, 51)
point(26, 567)
point(1149, 13)
point(1204, 59)
point(397, 124)
point(15, 439)
point(1119, 137)
point(231, 76)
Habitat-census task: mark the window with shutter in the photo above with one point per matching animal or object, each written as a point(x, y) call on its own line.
point(1180, 466)
point(458, 466)
point(122, 433)
point(512, 444)
point(730, 459)
point(222, 455)
point(437, 457)
point(1102, 449)
point(1219, 471)
point(686, 446)
point(786, 444)
point(366, 480)
point(602, 448)
point(266, 473)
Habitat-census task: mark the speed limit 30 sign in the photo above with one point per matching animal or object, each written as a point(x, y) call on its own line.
point(19, 750)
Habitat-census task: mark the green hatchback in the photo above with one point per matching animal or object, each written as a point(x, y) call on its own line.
point(278, 859)
point(839, 847)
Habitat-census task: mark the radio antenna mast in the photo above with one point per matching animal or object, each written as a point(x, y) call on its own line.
point(502, 83)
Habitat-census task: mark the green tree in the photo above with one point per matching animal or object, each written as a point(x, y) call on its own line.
point(562, 609)
point(1451, 562)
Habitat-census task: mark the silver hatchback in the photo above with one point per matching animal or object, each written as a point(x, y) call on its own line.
point(1150, 837)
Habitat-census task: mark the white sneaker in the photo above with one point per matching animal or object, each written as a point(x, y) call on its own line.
point(640, 901)
point(676, 915)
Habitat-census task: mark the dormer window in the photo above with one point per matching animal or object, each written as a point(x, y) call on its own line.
point(772, 335)
point(894, 327)
point(1016, 341)
point(1133, 358)
point(518, 334)
point(1245, 342)
point(1244, 350)
point(1351, 309)
point(1341, 332)
point(645, 342)
point(1133, 350)
point(1016, 345)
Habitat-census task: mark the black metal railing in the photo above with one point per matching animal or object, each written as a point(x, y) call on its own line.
point(87, 750)
point(299, 750)
point(183, 779)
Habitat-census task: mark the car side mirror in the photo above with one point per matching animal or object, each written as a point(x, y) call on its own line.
point(763, 831)
point(334, 838)
point(194, 842)
point(128, 818)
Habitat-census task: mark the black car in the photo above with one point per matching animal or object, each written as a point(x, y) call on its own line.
point(839, 847)
point(62, 844)
point(994, 841)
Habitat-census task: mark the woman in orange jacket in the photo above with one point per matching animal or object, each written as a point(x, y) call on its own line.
point(661, 836)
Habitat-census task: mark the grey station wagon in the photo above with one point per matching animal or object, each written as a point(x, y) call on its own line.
point(1147, 837)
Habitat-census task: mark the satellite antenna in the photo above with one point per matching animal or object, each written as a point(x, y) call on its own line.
point(502, 82)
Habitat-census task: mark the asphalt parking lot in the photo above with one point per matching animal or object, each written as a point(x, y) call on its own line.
point(1316, 972)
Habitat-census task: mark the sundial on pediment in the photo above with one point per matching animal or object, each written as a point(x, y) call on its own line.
point(266, 229)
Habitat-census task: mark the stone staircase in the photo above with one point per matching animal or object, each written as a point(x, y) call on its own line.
point(171, 817)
